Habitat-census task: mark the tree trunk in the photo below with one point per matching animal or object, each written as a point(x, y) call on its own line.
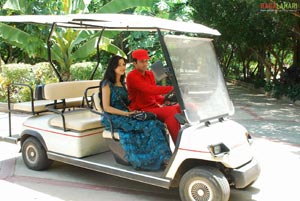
point(244, 70)
point(227, 60)
point(260, 71)
point(296, 48)
point(10, 53)
point(263, 62)
point(279, 61)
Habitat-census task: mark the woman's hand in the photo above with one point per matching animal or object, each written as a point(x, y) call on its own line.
point(131, 113)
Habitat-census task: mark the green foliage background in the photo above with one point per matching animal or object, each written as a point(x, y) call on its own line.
point(255, 46)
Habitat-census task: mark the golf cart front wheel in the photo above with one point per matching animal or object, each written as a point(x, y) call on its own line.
point(204, 184)
point(34, 155)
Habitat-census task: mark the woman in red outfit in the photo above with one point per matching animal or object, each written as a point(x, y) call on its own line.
point(145, 95)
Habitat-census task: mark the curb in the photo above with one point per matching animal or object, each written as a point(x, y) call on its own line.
point(246, 85)
point(3, 107)
point(297, 102)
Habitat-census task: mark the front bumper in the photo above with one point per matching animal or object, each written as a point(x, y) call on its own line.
point(245, 175)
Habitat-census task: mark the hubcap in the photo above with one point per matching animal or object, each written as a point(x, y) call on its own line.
point(200, 191)
point(31, 154)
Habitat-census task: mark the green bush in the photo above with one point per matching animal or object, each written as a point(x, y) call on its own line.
point(32, 75)
point(268, 86)
point(20, 73)
point(259, 83)
point(83, 71)
point(43, 73)
point(15, 73)
point(294, 92)
point(279, 90)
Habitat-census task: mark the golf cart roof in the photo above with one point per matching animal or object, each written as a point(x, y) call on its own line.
point(112, 22)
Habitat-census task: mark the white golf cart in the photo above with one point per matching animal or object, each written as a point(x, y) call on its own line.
point(212, 152)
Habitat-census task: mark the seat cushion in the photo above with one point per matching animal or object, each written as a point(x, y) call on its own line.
point(78, 120)
point(107, 134)
point(39, 106)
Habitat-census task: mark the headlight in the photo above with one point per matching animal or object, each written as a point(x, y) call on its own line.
point(218, 149)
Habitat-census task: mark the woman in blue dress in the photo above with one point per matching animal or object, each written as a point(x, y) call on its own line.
point(144, 142)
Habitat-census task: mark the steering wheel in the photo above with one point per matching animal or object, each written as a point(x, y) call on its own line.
point(171, 98)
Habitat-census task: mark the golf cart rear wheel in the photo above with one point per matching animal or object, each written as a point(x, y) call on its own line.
point(34, 155)
point(204, 184)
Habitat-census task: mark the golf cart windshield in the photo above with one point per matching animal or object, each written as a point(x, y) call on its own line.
point(199, 78)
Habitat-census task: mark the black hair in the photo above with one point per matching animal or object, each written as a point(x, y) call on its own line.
point(110, 75)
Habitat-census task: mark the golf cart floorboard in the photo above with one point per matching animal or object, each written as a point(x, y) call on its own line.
point(105, 163)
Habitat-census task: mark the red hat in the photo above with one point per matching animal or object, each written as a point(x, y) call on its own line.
point(140, 54)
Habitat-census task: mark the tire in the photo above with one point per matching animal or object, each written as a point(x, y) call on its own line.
point(204, 184)
point(34, 155)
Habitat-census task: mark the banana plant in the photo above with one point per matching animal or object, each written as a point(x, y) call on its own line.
point(32, 45)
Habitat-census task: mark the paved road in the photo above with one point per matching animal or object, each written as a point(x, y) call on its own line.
point(266, 117)
point(274, 124)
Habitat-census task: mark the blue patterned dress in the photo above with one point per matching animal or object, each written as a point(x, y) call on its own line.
point(144, 142)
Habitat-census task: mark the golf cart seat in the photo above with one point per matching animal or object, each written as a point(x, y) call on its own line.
point(37, 104)
point(79, 119)
point(82, 126)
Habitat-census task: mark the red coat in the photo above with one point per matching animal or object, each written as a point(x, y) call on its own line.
point(143, 91)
